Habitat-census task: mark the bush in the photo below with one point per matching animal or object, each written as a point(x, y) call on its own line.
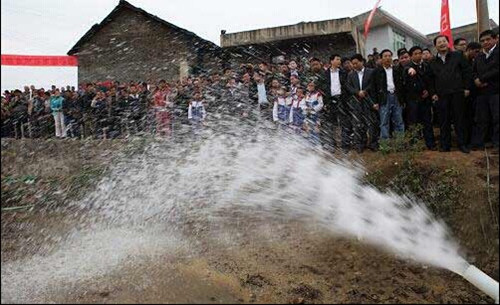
point(411, 141)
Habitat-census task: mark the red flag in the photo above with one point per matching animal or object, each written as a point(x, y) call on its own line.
point(368, 22)
point(445, 22)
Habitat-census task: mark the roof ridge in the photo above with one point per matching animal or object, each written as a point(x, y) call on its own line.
point(125, 4)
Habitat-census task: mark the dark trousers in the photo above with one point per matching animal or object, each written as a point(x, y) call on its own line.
point(73, 126)
point(470, 109)
point(451, 106)
point(486, 114)
point(420, 112)
point(366, 121)
point(7, 128)
point(329, 124)
point(373, 126)
point(19, 121)
point(338, 113)
point(345, 120)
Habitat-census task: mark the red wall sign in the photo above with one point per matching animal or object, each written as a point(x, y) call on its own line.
point(35, 60)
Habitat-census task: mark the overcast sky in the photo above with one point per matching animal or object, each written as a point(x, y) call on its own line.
point(52, 27)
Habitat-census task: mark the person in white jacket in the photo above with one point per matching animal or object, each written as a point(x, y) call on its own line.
point(196, 110)
point(298, 110)
point(314, 103)
point(282, 107)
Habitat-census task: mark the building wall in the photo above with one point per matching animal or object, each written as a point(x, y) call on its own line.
point(321, 47)
point(297, 31)
point(134, 47)
point(379, 38)
point(383, 38)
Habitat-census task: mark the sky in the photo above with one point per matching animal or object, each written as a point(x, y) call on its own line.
point(52, 27)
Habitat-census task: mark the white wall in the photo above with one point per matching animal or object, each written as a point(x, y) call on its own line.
point(380, 38)
point(16, 77)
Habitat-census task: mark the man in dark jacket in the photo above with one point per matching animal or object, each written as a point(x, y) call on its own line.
point(451, 75)
point(416, 91)
point(473, 50)
point(360, 84)
point(486, 78)
point(19, 113)
point(336, 110)
point(389, 95)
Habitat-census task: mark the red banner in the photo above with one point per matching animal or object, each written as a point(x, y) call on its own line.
point(36, 60)
point(368, 22)
point(445, 22)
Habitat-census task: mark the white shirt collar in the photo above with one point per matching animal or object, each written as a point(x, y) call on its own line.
point(490, 51)
point(442, 56)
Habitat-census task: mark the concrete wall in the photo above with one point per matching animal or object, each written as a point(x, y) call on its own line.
point(380, 38)
point(134, 47)
point(301, 30)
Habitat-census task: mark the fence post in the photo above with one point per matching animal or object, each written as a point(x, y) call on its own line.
point(82, 131)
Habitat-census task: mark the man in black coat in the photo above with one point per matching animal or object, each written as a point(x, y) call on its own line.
point(486, 78)
point(336, 106)
point(451, 75)
point(365, 113)
point(416, 90)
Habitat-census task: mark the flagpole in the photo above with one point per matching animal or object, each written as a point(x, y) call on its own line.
point(483, 16)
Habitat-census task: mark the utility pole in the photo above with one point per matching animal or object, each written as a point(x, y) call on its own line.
point(483, 16)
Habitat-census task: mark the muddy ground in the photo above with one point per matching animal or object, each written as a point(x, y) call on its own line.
point(269, 261)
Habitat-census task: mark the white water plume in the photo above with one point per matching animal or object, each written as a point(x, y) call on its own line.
point(207, 178)
point(271, 174)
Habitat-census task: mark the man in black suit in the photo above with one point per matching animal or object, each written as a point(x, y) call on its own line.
point(416, 90)
point(486, 78)
point(452, 77)
point(365, 112)
point(336, 109)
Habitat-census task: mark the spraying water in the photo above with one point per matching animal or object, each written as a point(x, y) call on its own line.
point(206, 178)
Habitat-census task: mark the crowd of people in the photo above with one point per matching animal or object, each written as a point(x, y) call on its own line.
point(363, 100)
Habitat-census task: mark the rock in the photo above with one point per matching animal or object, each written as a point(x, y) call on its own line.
point(420, 289)
point(306, 292)
point(353, 292)
point(256, 281)
point(297, 301)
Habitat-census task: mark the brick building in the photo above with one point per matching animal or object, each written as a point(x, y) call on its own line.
point(131, 44)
